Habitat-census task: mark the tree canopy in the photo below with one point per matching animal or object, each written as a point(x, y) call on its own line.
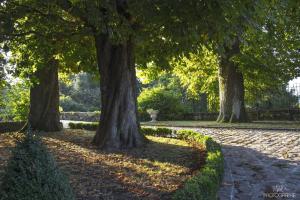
point(236, 44)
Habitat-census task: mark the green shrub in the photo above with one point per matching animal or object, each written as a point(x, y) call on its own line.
point(166, 101)
point(148, 131)
point(204, 185)
point(32, 174)
point(85, 126)
point(162, 132)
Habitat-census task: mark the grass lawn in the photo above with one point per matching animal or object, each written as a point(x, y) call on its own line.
point(213, 124)
point(152, 172)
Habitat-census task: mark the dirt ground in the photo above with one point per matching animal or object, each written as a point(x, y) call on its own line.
point(152, 172)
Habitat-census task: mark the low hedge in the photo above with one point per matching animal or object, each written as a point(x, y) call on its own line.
point(205, 184)
point(164, 132)
point(86, 126)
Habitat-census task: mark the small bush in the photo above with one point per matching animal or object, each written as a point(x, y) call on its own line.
point(85, 126)
point(205, 185)
point(32, 174)
point(162, 132)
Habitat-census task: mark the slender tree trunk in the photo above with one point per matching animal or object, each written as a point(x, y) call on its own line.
point(119, 125)
point(231, 88)
point(44, 99)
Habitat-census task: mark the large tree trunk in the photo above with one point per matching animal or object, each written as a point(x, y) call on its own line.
point(119, 125)
point(44, 99)
point(231, 88)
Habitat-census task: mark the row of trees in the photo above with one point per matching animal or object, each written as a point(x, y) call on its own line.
point(250, 39)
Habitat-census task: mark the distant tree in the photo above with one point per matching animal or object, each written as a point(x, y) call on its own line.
point(198, 73)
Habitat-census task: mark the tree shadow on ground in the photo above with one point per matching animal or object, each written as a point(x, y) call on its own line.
point(176, 154)
point(251, 174)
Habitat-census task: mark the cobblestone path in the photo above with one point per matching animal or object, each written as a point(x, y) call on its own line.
point(259, 164)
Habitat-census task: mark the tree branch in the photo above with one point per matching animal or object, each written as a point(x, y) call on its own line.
point(67, 6)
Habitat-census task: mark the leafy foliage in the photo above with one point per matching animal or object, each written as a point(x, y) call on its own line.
point(198, 72)
point(166, 101)
point(163, 30)
point(32, 174)
point(16, 98)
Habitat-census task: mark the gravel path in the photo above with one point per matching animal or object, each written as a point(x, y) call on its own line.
point(259, 164)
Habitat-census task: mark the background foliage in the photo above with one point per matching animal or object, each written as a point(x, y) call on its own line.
point(80, 93)
point(15, 100)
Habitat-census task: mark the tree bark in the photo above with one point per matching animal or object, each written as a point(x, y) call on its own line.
point(44, 99)
point(238, 102)
point(119, 125)
point(231, 88)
